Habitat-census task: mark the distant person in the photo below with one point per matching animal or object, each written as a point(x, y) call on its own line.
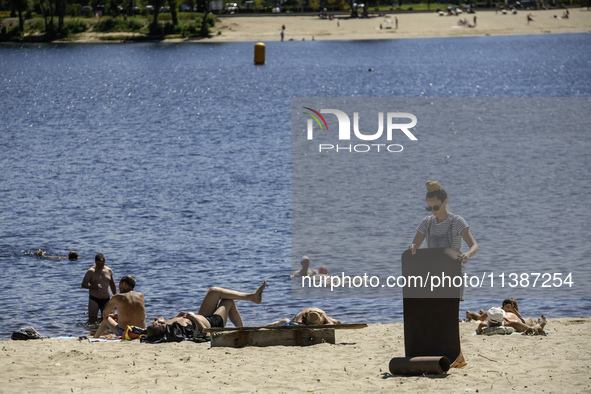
point(43, 255)
point(131, 310)
point(322, 270)
point(306, 270)
point(98, 279)
point(308, 316)
point(530, 18)
point(396, 22)
point(497, 317)
point(216, 308)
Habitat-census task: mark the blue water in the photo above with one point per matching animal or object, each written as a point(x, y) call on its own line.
point(174, 162)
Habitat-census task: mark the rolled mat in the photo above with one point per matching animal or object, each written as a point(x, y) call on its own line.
point(419, 365)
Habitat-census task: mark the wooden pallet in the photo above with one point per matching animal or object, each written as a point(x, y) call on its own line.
point(276, 336)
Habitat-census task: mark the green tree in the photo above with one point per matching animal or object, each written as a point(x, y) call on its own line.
point(154, 29)
point(174, 11)
point(20, 6)
point(204, 30)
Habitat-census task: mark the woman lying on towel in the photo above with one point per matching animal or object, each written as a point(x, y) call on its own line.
point(509, 305)
point(507, 316)
point(308, 316)
point(216, 308)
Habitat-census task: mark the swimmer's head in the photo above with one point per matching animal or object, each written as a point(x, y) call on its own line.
point(73, 255)
point(305, 261)
point(323, 270)
point(99, 261)
point(40, 253)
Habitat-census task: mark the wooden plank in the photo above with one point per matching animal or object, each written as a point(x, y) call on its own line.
point(272, 336)
point(336, 326)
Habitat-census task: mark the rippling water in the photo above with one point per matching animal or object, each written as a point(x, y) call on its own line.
point(174, 162)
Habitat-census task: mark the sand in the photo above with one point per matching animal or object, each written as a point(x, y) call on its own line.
point(410, 25)
point(357, 363)
point(243, 28)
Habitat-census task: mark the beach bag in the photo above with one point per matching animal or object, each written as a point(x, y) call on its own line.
point(133, 332)
point(26, 333)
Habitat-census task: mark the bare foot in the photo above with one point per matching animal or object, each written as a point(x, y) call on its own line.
point(535, 330)
point(481, 311)
point(258, 294)
point(542, 321)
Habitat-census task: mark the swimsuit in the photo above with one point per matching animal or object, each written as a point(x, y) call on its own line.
point(521, 318)
point(215, 321)
point(121, 331)
point(100, 301)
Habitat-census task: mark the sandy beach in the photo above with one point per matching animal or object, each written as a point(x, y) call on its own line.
point(358, 362)
point(242, 28)
point(410, 25)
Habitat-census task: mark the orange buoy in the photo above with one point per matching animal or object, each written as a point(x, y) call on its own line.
point(259, 53)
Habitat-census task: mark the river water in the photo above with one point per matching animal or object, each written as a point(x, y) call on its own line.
point(174, 161)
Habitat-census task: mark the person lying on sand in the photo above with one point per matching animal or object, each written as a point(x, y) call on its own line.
point(216, 308)
point(309, 316)
point(131, 310)
point(497, 317)
point(509, 305)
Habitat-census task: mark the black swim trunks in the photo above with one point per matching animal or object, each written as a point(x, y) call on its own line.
point(215, 321)
point(100, 301)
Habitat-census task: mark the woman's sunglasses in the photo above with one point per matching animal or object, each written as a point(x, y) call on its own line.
point(433, 208)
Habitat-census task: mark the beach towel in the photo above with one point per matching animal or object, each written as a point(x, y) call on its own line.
point(498, 330)
point(546, 331)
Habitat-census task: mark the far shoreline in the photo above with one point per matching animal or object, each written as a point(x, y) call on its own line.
point(415, 24)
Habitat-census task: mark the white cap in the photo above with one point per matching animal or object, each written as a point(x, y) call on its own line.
point(495, 316)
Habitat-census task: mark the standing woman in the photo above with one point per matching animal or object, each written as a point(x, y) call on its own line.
point(443, 229)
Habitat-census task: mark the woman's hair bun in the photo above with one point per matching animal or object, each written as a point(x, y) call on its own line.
point(433, 186)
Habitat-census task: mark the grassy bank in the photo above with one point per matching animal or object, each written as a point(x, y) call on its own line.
point(107, 28)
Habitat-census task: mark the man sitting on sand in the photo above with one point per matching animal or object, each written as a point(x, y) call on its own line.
point(216, 308)
point(131, 310)
point(308, 316)
point(498, 317)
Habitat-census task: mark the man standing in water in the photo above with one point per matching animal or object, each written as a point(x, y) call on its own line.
point(98, 280)
point(131, 309)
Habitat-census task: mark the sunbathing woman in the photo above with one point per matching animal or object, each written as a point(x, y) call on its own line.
point(216, 308)
point(309, 316)
point(512, 318)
